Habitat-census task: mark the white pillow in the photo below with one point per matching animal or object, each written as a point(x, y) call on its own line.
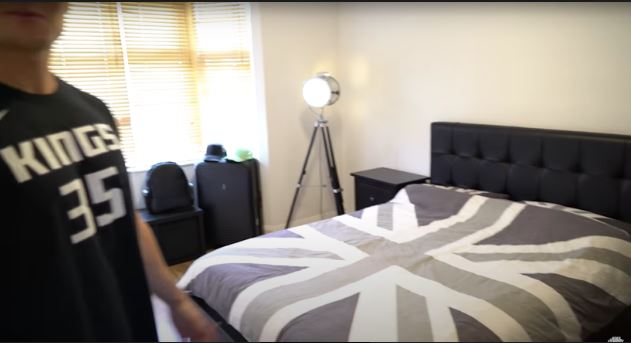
point(471, 191)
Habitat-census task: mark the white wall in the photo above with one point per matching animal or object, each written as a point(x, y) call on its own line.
point(296, 40)
point(405, 65)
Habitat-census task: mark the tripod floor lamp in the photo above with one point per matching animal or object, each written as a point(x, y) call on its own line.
point(321, 91)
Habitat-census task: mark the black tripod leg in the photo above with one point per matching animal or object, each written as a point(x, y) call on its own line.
point(302, 174)
point(330, 160)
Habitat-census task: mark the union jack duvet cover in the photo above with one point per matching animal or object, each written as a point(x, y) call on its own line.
point(433, 264)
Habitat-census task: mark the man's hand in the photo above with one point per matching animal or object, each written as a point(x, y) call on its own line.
point(191, 322)
point(188, 318)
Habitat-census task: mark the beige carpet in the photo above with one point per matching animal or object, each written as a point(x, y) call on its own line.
point(179, 269)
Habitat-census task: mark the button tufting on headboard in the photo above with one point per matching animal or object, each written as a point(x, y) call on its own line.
point(590, 171)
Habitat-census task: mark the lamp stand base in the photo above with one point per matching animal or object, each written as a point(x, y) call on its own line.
point(320, 125)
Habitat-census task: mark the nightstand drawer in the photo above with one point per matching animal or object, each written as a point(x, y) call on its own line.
point(368, 195)
point(379, 185)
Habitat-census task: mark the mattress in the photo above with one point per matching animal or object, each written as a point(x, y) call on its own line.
point(433, 264)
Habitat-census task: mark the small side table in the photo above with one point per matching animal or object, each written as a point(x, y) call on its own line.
point(376, 186)
point(180, 234)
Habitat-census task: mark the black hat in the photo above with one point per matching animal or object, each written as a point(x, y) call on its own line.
point(215, 153)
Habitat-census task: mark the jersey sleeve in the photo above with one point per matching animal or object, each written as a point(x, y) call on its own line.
point(103, 110)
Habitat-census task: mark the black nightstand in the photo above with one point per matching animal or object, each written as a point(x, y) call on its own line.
point(376, 186)
point(180, 234)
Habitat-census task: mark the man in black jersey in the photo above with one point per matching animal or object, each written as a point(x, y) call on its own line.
point(77, 262)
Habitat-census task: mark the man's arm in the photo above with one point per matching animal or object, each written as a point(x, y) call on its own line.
point(187, 316)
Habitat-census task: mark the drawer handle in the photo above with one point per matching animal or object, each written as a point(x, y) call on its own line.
point(372, 198)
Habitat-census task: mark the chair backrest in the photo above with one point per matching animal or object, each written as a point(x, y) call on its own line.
point(167, 189)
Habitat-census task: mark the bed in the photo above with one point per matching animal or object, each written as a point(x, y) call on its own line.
point(523, 234)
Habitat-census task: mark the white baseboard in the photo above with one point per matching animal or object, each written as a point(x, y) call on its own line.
point(300, 221)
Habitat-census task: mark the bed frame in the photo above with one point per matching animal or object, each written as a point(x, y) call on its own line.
point(589, 171)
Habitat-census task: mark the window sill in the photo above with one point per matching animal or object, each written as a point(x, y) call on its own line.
point(144, 169)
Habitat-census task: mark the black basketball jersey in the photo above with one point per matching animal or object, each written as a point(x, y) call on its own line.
point(71, 263)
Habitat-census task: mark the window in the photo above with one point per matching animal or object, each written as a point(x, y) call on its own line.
point(176, 76)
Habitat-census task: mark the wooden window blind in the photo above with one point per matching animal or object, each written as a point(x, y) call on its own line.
point(165, 70)
point(89, 55)
point(223, 60)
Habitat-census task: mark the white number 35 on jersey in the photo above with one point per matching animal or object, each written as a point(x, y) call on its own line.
point(98, 194)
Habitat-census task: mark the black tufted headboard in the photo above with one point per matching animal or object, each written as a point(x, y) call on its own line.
point(590, 171)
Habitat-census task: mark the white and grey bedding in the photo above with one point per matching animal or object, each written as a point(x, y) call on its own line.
point(432, 264)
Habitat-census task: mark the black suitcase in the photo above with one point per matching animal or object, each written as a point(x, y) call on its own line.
point(229, 193)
